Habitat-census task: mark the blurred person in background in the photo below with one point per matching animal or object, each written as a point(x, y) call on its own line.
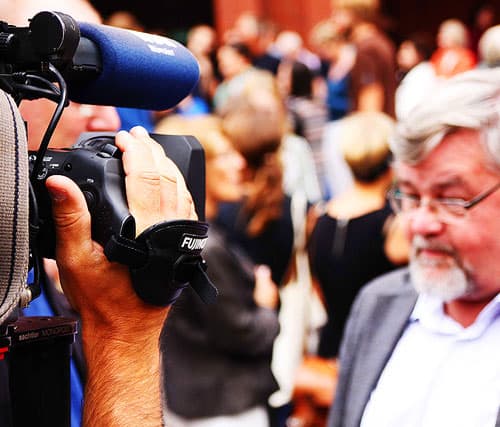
point(331, 43)
point(258, 91)
point(308, 116)
point(373, 76)
point(124, 19)
point(350, 243)
point(416, 72)
point(289, 46)
point(372, 79)
point(489, 48)
point(414, 50)
point(261, 222)
point(235, 66)
point(258, 34)
point(217, 358)
point(482, 18)
point(202, 42)
point(453, 54)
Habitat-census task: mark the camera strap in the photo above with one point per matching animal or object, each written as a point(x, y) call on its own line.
point(164, 259)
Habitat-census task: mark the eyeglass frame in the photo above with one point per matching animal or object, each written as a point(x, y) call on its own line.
point(443, 202)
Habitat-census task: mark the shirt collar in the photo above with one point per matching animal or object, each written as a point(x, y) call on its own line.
point(430, 313)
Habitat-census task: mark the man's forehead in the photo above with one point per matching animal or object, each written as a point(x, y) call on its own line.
point(460, 156)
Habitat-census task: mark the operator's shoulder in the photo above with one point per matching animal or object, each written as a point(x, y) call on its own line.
point(393, 283)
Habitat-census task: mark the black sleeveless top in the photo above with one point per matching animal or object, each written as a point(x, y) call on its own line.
point(273, 247)
point(344, 256)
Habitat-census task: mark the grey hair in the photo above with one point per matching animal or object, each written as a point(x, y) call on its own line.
point(469, 100)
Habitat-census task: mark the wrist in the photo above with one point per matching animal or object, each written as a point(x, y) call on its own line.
point(123, 331)
point(120, 373)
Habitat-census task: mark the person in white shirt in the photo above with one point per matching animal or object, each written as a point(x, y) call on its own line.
point(422, 345)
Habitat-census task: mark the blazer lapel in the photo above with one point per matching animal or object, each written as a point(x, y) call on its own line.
point(388, 323)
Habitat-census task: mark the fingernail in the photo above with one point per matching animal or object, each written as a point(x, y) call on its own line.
point(57, 195)
point(139, 131)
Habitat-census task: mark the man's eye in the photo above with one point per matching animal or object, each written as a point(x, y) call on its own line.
point(410, 196)
point(451, 200)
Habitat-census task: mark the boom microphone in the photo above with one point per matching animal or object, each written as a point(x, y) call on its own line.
point(134, 69)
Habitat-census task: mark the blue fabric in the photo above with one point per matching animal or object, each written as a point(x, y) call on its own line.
point(195, 107)
point(131, 117)
point(41, 307)
point(337, 98)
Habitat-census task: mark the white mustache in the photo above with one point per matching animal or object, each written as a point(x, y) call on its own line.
point(420, 243)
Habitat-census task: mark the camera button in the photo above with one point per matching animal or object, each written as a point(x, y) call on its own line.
point(90, 199)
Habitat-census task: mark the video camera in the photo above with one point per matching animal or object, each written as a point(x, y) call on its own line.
point(52, 50)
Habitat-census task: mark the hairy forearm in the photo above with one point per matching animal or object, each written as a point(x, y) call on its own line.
point(123, 387)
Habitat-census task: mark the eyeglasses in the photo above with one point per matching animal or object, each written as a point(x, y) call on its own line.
point(445, 208)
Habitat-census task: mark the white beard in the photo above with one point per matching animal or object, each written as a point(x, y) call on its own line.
point(443, 279)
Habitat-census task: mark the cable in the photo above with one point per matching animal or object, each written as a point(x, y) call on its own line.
point(53, 122)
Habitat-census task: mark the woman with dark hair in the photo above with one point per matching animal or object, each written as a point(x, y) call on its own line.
point(257, 123)
point(217, 357)
point(261, 223)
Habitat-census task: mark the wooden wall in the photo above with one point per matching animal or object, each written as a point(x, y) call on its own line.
point(405, 16)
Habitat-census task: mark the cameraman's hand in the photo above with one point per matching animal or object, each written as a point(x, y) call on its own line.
point(120, 332)
point(155, 192)
point(155, 187)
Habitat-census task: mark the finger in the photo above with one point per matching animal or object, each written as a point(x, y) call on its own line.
point(142, 179)
point(176, 200)
point(171, 182)
point(185, 204)
point(71, 217)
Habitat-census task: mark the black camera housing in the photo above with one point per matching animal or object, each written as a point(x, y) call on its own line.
point(94, 164)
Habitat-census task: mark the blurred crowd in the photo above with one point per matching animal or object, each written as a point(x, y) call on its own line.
point(298, 177)
point(284, 119)
point(280, 118)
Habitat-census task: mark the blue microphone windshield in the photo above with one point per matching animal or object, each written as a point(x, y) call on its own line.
point(139, 70)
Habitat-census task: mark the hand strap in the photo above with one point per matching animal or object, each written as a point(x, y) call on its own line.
point(164, 259)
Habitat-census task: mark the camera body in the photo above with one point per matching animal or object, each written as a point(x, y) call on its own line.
point(94, 164)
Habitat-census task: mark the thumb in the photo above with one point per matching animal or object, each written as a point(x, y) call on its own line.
point(71, 216)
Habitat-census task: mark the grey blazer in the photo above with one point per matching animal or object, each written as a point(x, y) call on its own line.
point(377, 321)
point(217, 358)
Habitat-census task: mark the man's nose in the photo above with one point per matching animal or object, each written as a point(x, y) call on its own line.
point(101, 118)
point(425, 221)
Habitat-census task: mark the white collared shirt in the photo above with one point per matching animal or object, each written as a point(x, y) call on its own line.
point(440, 373)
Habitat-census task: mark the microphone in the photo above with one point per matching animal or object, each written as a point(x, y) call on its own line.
point(125, 68)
